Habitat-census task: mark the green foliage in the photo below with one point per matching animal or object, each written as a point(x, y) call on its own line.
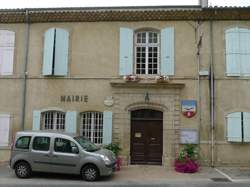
point(188, 152)
point(114, 147)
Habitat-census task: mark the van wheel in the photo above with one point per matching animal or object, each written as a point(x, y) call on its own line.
point(23, 170)
point(90, 173)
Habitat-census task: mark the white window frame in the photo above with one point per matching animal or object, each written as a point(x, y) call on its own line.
point(147, 45)
point(62, 119)
point(89, 133)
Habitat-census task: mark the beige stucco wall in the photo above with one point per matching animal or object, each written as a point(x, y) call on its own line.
point(94, 63)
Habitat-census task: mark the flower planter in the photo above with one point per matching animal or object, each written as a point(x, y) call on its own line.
point(118, 163)
point(186, 166)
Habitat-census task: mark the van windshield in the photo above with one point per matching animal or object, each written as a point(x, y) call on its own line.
point(86, 144)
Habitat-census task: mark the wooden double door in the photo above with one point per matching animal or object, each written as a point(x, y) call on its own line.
point(146, 137)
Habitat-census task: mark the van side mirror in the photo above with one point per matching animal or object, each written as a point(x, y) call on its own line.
point(74, 150)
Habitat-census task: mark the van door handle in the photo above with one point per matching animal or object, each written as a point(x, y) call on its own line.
point(46, 155)
point(55, 156)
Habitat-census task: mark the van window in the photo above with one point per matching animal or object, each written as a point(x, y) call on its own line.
point(41, 143)
point(23, 142)
point(63, 145)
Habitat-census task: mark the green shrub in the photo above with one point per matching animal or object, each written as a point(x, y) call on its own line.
point(189, 151)
point(114, 147)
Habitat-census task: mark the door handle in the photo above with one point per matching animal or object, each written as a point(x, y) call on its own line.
point(153, 139)
point(46, 155)
point(55, 156)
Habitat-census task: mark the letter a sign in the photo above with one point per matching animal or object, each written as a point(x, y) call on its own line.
point(188, 108)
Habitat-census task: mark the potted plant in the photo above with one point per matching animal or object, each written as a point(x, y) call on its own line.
point(187, 160)
point(115, 148)
point(131, 78)
point(162, 78)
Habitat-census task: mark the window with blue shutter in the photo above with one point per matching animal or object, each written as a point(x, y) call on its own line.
point(237, 51)
point(153, 52)
point(238, 127)
point(55, 58)
point(7, 47)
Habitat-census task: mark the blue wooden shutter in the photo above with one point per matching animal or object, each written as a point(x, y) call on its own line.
point(7, 47)
point(126, 51)
point(5, 129)
point(244, 51)
point(234, 133)
point(36, 120)
point(107, 127)
point(232, 52)
point(48, 51)
point(167, 51)
point(61, 52)
point(71, 122)
point(246, 126)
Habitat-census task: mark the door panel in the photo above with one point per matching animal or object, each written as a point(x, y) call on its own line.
point(138, 145)
point(146, 137)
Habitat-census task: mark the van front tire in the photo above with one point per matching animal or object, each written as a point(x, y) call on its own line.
point(90, 173)
point(23, 170)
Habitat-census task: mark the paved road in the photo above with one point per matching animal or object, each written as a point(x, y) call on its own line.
point(8, 179)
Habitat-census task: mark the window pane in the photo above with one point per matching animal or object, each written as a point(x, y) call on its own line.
point(140, 60)
point(92, 126)
point(54, 120)
point(64, 146)
point(23, 142)
point(41, 143)
point(147, 53)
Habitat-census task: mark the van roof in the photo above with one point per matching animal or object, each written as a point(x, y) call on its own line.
point(45, 132)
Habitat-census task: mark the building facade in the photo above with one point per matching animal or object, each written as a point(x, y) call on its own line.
point(150, 78)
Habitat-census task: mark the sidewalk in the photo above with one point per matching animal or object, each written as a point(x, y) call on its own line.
point(159, 173)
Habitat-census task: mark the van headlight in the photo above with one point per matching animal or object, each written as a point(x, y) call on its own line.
point(105, 159)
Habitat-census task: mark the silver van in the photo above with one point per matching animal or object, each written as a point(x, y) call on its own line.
point(59, 153)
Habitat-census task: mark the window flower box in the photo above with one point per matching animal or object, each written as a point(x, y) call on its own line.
point(131, 78)
point(162, 78)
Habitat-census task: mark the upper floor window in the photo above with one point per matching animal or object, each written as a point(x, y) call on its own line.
point(53, 120)
point(238, 127)
point(237, 51)
point(55, 54)
point(7, 46)
point(147, 52)
point(92, 126)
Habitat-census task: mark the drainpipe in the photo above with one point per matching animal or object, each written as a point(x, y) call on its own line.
point(25, 73)
point(211, 80)
point(199, 43)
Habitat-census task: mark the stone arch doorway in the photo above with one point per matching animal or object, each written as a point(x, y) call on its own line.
point(146, 137)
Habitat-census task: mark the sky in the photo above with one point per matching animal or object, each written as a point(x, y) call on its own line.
point(103, 3)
